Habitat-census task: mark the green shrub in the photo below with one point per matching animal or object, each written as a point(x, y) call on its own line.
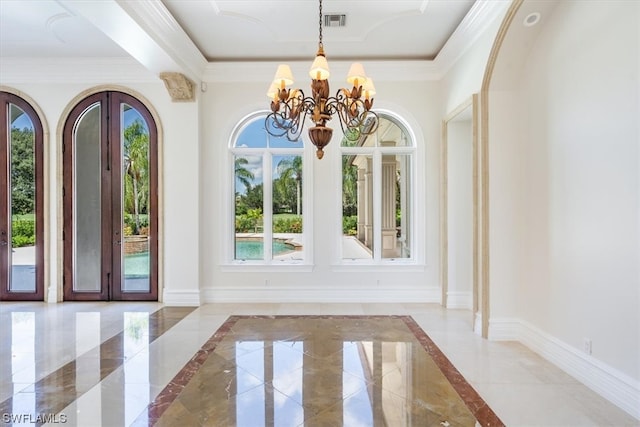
point(244, 224)
point(20, 241)
point(23, 232)
point(350, 225)
point(287, 225)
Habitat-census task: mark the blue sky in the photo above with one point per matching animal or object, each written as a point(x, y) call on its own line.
point(21, 122)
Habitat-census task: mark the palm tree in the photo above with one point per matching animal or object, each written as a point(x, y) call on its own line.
point(136, 168)
point(349, 186)
point(244, 175)
point(290, 168)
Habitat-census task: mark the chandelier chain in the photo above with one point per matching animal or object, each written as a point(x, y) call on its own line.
point(320, 25)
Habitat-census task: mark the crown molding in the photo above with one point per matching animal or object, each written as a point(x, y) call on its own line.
point(480, 17)
point(177, 53)
point(483, 13)
point(263, 71)
point(121, 70)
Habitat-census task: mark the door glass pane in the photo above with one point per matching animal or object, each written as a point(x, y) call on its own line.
point(135, 193)
point(22, 181)
point(357, 206)
point(287, 208)
point(249, 197)
point(395, 206)
point(87, 237)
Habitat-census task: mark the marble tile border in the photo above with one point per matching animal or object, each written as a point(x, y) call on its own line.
point(476, 405)
point(155, 409)
point(57, 390)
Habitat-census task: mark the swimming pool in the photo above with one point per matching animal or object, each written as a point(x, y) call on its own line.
point(253, 249)
point(137, 265)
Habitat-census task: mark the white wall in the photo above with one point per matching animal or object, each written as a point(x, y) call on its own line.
point(460, 213)
point(580, 94)
point(565, 192)
point(223, 106)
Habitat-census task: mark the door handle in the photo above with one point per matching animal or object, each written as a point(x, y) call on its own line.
point(3, 243)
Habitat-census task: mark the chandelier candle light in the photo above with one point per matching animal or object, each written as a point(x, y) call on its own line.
point(290, 107)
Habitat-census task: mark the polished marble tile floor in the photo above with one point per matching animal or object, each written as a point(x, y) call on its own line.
point(119, 364)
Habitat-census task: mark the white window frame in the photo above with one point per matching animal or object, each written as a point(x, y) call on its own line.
point(377, 152)
point(267, 153)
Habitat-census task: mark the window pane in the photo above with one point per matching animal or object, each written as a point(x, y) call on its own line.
point(253, 135)
point(392, 134)
point(249, 196)
point(396, 206)
point(287, 207)
point(282, 141)
point(23, 202)
point(357, 206)
point(135, 201)
point(356, 137)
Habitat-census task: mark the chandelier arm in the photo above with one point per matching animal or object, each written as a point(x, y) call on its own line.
point(353, 114)
point(289, 116)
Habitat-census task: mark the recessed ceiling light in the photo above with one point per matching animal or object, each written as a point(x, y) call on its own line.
point(531, 19)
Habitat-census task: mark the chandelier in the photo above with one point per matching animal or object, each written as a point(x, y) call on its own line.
point(290, 107)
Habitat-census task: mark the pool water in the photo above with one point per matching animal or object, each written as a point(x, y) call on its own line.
point(252, 249)
point(136, 265)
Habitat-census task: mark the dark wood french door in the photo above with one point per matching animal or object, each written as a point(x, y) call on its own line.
point(21, 201)
point(110, 200)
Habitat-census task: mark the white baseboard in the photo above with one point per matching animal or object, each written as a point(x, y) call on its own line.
point(186, 298)
point(615, 386)
point(272, 294)
point(459, 300)
point(477, 325)
point(507, 329)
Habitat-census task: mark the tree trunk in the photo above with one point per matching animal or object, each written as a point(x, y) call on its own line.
point(297, 197)
point(136, 208)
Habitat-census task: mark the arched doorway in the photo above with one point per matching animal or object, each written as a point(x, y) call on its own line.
point(110, 200)
point(21, 186)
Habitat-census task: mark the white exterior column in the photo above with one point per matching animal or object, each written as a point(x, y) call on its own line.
point(388, 220)
point(361, 188)
point(368, 203)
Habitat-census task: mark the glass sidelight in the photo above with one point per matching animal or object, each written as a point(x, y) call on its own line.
point(21, 218)
point(135, 189)
point(110, 200)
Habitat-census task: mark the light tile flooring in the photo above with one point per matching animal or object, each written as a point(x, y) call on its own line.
point(114, 359)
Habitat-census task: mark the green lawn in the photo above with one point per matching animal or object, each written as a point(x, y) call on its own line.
point(30, 217)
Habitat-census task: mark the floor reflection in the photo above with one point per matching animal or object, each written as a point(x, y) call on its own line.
point(42, 374)
point(313, 370)
point(23, 360)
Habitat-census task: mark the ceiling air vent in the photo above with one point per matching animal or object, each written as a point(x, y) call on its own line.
point(335, 20)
